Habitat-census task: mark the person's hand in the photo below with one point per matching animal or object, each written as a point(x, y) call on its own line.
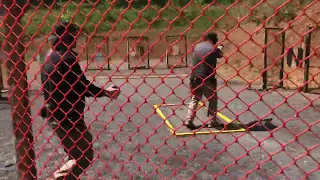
point(113, 91)
point(219, 51)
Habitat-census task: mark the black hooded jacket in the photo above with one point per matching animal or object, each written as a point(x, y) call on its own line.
point(64, 84)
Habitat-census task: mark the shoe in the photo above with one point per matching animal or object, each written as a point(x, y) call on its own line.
point(214, 124)
point(190, 125)
point(234, 126)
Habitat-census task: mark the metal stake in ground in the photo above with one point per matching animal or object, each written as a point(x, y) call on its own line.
point(18, 84)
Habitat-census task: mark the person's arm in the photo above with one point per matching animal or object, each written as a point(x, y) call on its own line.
point(91, 90)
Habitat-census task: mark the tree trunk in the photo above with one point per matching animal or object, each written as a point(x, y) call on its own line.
point(18, 86)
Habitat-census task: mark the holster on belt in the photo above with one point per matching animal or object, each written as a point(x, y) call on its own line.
point(195, 82)
point(46, 111)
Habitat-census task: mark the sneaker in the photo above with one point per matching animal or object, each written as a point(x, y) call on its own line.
point(190, 125)
point(234, 126)
point(214, 124)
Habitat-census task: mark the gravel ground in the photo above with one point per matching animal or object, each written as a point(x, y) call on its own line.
point(132, 141)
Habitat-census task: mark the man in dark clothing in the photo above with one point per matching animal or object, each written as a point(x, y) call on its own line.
point(202, 79)
point(65, 88)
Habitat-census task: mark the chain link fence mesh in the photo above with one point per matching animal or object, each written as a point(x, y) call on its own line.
point(271, 134)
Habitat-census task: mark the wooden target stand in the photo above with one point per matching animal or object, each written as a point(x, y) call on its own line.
point(265, 86)
point(292, 59)
point(175, 52)
point(98, 57)
point(138, 53)
point(3, 58)
point(2, 90)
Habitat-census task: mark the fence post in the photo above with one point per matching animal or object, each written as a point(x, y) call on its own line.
point(283, 39)
point(265, 61)
point(18, 85)
point(307, 60)
point(1, 79)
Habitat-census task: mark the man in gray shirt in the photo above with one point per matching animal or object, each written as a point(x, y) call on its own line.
point(202, 79)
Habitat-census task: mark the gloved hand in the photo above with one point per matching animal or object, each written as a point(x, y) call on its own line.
point(220, 47)
point(219, 51)
point(113, 91)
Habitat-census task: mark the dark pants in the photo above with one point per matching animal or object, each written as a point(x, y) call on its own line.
point(206, 89)
point(77, 142)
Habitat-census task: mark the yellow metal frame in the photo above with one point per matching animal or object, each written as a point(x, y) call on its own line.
point(173, 130)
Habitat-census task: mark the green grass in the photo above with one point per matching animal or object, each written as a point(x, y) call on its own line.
point(102, 18)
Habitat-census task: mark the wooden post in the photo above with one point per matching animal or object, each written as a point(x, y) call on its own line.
point(2, 54)
point(307, 60)
point(3, 57)
point(18, 86)
point(1, 78)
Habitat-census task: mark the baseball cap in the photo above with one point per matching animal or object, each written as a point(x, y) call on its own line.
point(66, 26)
point(213, 37)
point(64, 30)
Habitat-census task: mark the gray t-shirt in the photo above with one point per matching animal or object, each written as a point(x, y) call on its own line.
point(204, 60)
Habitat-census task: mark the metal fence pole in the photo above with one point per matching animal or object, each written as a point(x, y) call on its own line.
point(307, 61)
point(281, 75)
point(18, 96)
point(265, 61)
point(1, 80)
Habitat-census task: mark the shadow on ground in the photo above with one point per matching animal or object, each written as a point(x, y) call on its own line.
point(263, 125)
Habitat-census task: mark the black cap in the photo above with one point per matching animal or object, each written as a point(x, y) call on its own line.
point(213, 37)
point(65, 31)
point(67, 27)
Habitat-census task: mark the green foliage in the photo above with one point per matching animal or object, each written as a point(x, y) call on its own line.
point(104, 16)
point(265, 11)
point(225, 2)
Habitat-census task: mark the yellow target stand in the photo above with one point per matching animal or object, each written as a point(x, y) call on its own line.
point(201, 131)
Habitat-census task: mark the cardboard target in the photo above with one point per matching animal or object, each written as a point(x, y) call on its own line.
point(138, 54)
point(176, 53)
point(97, 51)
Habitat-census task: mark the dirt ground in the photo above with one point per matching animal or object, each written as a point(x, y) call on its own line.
point(244, 57)
point(235, 66)
point(244, 52)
